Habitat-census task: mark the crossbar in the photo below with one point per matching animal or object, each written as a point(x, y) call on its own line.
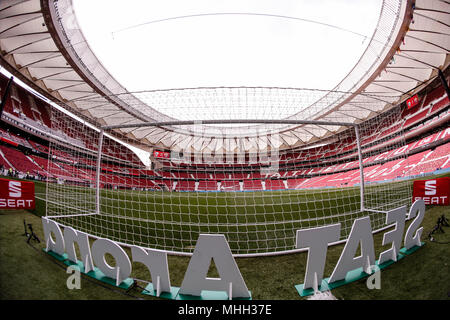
point(234, 121)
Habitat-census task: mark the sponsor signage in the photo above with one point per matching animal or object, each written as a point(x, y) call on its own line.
point(161, 154)
point(412, 102)
point(16, 194)
point(349, 267)
point(434, 191)
point(196, 283)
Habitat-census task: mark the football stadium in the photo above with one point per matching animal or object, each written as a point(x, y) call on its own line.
point(224, 150)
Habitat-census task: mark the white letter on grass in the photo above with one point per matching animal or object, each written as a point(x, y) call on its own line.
point(122, 270)
point(70, 237)
point(361, 233)
point(56, 245)
point(316, 240)
point(397, 216)
point(410, 240)
point(156, 262)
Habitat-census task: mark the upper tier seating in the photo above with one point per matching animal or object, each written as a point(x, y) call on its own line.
point(331, 165)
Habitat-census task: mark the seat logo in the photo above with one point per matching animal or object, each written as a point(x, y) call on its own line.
point(15, 190)
point(430, 187)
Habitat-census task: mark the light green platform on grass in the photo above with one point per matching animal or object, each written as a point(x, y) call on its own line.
point(211, 295)
point(99, 275)
point(95, 274)
point(412, 250)
point(150, 291)
point(174, 295)
point(56, 256)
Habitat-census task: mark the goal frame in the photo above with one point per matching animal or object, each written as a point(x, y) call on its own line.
point(355, 127)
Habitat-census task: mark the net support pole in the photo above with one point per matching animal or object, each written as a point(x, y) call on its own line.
point(361, 168)
point(97, 178)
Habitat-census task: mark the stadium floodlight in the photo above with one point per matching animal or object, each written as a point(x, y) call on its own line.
point(258, 196)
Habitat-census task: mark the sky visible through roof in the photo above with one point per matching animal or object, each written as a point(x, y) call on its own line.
point(148, 45)
point(173, 44)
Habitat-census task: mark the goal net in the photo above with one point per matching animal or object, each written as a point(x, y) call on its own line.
point(257, 196)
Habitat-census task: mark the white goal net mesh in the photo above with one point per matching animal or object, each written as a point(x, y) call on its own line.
point(164, 199)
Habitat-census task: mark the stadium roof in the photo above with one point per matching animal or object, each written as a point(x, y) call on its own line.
point(42, 43)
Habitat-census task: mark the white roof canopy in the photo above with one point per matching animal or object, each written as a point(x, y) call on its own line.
point(47, 46)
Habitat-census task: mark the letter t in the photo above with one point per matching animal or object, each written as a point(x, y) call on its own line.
point(316, 240)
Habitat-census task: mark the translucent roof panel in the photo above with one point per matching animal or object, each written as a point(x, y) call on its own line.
point(212, 43)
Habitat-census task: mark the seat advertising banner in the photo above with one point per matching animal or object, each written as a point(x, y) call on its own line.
point(16, 194)
point(433, 191)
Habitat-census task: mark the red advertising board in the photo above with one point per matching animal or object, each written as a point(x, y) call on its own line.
point(434, 191)
point(16, 194)
point(15, 144)
point(412, 102)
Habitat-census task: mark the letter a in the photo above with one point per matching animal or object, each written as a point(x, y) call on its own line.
point(361, 233)
point(213, 246)
point(73, 281)
point(374, 281)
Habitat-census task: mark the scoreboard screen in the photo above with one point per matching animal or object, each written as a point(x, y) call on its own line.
point(161, 154)
point(412, 102)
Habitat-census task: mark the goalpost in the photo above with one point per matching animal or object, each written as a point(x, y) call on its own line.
point(106, 191)
point(332, 172)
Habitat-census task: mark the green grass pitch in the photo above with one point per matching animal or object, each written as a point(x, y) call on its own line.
point(253, 222)
point(419, 276)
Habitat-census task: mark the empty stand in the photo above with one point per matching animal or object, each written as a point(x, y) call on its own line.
point(329, 165)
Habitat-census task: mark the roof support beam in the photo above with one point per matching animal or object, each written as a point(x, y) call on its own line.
point(237, 121)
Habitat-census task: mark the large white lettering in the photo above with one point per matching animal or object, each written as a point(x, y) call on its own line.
point(214, 247)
